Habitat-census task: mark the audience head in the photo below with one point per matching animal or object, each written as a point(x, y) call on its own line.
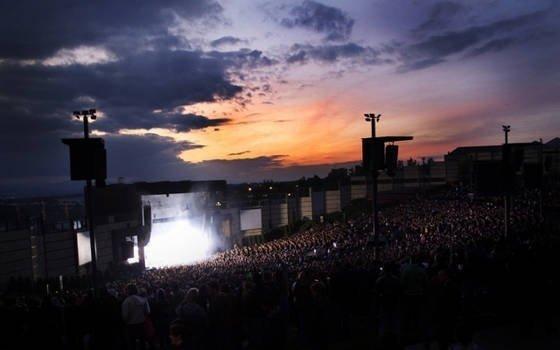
point(192, 295)
point(131, 289)
point(176, 333)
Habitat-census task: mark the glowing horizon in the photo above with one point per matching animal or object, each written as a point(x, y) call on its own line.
point(254, 89)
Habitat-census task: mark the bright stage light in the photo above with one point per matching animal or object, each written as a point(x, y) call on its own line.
point(177, 243)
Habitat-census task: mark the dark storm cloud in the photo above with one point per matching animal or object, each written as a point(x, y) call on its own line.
point(156, 158)
point(142, 90)
point(420, 64)
point(226, 40)
point(300, 53)
point(148, 157)
point(37, 29)
point(440, 16)
point(331, 21)
point(35, 162)
point(176, 121)
point(44, 170)
point(238, 153)
point(500, 44)
point(243, 58)
point(30, 143)
point(128, 90)
point(436, 48)
point(260, 168)
point(188, 122)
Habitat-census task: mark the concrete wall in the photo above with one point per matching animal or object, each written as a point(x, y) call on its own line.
point(15, 255)
point(406, 178)
point(104, 244)
point(293, 210)
point(358, 187)
point(274, 215)
point(305, 208)
point(438, 173)
point(385, 183)
point(233, 217)
point(58, 252)
point(251, 233)
point(317, 204)
point(451, 171)
point(345, 195)
point(284, 216)
point(411, 176)
point(104, 239)
point(332, 201)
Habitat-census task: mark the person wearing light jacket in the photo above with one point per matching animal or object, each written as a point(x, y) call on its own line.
point(135, 309)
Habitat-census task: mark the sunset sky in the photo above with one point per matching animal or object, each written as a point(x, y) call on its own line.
point(249, 90)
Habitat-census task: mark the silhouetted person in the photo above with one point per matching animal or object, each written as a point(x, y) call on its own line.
point(413, 281)
point(177, 335)
point(162, 315)
point(387, 289)
point(135, 309)
point(194, 318)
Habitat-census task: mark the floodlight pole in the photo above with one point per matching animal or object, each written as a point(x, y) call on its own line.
point(506, 129)
point(89, 201)
point(86, 127)
point(373, 119)
point(541, 181)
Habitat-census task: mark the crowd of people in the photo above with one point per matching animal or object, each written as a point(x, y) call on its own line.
point(440, 269)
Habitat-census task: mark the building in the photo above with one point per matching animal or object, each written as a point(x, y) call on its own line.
point(410, 177)
point(526, 160)
point(37, 238)
point(551, 160)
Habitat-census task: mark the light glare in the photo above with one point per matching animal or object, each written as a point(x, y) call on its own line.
point(176, 243)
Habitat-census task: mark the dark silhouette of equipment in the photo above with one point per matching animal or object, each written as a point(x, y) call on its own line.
point(147, 225)
point(391, 159)
point(373, 154)
point(508, 176)
point(88, 159)
point(373, 157)
point(127, 249)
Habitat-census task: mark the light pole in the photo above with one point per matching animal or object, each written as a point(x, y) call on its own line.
point(541, 181)
point(373, 156)
point(509, 177)
point(506, 129)
point(373, 119)
point(85, 115)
